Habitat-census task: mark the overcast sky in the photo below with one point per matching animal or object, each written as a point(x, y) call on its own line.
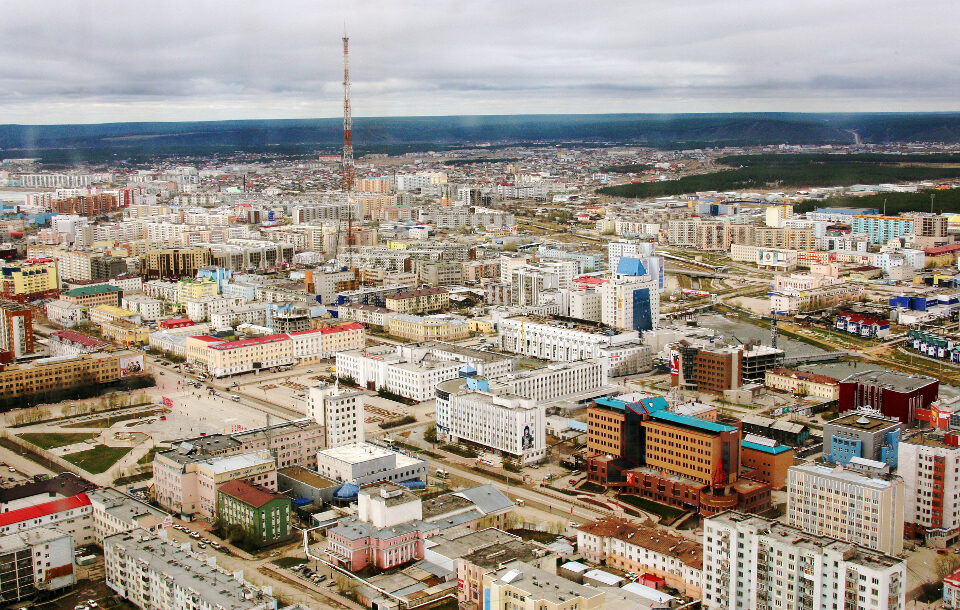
point(82, 61)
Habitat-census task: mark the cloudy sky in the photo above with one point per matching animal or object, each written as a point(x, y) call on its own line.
point(82, 61)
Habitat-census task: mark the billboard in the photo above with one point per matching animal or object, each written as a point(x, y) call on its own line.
point(131, 365)
point(674, 363)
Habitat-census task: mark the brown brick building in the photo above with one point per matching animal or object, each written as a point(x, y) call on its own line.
point(90, 205)
point(766, 460)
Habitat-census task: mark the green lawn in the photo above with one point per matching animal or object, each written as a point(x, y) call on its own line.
point(668, 513)
point(52, 440)
point(97, 460)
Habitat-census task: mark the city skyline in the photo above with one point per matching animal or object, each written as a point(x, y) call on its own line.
point(110, 62)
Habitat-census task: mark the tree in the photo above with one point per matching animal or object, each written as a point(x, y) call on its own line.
point(946, 565)
point(430, 434)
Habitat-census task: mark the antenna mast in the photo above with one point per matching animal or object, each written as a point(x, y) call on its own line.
point(348, 167)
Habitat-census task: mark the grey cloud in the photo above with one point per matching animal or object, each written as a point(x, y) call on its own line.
point(102, 60)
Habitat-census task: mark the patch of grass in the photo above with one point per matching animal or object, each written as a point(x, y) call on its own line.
point(52, 440)
point(106, 422)
point(541, 537)
point(289, 562)
point(134, 478)
point(668, 513)
point(591, 487)
point(147, 457)
point(97, 460)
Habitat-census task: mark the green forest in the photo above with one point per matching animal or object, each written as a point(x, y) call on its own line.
point(944, 202)
point(795, 171)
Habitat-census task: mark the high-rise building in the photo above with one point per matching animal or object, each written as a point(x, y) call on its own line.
point(929, 464)
point(758, 563)
point(862, 503)
point(339, 411)
point(16, 331)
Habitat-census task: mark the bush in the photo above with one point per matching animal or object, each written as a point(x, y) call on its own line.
point(393, 423)
point(460, 450)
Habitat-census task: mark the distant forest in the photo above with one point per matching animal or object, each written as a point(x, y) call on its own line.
point(137, 142)
point(796, 171)
point(944, 202)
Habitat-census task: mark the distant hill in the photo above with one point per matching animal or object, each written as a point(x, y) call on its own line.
point(55, 143)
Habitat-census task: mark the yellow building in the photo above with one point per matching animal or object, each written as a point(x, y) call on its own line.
point(428, 328)
point(112, 313)
point(126, 333)
point(196, 289)
point(91, 296)
point(47, 374)
point(29, 282)
point(803, 383)
point(426, 300)
point(394, 244)
point(481, 326)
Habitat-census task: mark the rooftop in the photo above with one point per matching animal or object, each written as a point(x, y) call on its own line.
point(842, 474)
point(541, 585)
point(89, 290)
point(307, 477)
point(890, 380)
point(864, 421)
point(168, 560)
point(252, 495)
point(688, 421)
point(652, 539)
point(804, 376)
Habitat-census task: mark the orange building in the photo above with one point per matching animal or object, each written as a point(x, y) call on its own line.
point(767, 460)
point(702, 451)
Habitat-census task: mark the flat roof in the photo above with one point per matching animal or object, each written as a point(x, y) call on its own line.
point(775, 450)
point(167, 559)
point(890, 380)
point(690, 422)
point(862, 421)
point(307, 477)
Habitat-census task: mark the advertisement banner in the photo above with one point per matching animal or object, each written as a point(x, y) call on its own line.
point(674, 363)
point(131, 365)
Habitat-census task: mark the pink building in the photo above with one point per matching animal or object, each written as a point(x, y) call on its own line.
point(187, 485)
point(389, 530)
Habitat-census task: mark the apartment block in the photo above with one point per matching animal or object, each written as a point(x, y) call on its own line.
point(159, 574)
point(753, 562)
point(861, 503)
point(929, 464)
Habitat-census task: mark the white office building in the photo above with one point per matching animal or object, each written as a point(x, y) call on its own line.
point(558, 340)
point(34, 561)
point(413, 371)
point(363, 463)
point(507, 424)
point(339, 411)
point(862, 503)
point(760, 564)
point(148, 308)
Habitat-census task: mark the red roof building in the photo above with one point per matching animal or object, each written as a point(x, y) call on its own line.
point(176, 323)
point(29, 514)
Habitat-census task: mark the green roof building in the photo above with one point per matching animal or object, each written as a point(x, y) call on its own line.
point(263, 514)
